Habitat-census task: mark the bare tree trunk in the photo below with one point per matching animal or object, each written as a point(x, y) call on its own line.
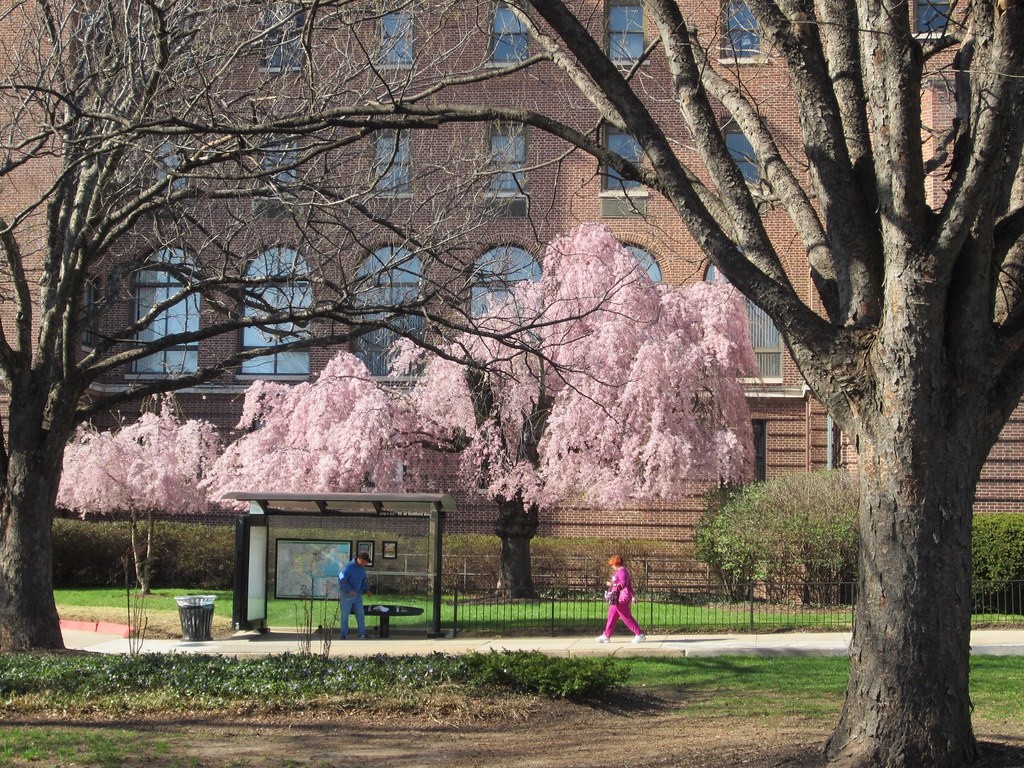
point(907, 701)
point(28, 613)
point(516, 526)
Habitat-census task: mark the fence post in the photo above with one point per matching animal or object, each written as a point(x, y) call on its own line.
point(553, 600)
point(750, 598)
point(455, 612)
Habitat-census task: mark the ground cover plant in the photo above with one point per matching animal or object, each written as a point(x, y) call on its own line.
point(153, 681)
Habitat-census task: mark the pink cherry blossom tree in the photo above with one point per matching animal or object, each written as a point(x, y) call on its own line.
point(154, 464)
point(590, 386)
point(335, 433)
point(615, 390)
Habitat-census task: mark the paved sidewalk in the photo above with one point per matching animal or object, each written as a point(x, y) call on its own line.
point(989, 642)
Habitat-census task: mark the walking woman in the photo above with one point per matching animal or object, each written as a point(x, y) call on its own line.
point(620, 599)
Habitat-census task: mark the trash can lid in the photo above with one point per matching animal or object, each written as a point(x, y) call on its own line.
point(194, 600)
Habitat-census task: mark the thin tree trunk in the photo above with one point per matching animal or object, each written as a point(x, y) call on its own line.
point(516, 526)
point(142, 551)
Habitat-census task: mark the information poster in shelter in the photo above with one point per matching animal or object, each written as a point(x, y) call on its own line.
point(310, 568)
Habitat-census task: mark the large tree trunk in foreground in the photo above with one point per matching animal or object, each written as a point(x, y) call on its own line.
point(907, 699)
point(28, 613)
point(516, 526)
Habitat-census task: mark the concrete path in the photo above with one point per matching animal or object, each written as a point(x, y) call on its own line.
point(110, 639)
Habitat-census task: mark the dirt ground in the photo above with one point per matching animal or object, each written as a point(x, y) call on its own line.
point(648, 730)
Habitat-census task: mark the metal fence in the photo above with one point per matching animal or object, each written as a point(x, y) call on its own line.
point(696, 608)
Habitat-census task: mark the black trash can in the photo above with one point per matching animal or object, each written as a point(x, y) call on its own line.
point(196, 614)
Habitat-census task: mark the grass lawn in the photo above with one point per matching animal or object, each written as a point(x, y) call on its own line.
point(479, 616)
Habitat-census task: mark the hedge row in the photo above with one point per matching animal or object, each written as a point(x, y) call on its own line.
point(197, 556)
point(97, 554)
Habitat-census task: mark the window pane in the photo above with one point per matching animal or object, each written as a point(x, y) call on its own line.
point(279, 158)
point(391, 163)
point(152, 288)
point(286, 265)
point(932, 15)
point(282, 42)
point(496, 272)
point(507, 160)
point(764, 335)
point(742, 152)
point(509, 40)
point(767, 342)
point(626, 146)
point(742, 36)
point(647, 262)
point(389, 278)
point(396, 38)
point(625, 31)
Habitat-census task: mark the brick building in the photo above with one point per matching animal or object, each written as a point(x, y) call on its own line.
point(468, 195)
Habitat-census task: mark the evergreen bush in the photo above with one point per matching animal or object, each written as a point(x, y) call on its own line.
point(998, 551)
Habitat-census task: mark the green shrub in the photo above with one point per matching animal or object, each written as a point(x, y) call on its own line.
point(998, 551)
point(797, 529)
point(193, 555)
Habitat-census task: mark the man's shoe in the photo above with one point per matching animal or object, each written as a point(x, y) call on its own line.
point(364, 637)
point(602, 638)
point(639, 638)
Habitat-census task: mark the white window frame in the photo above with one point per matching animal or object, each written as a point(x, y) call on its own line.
point(742, 153)
point(507, 159)
point(495, 274)
point(623, 144)
point(647, 262)
point(741, 34)
point(282, 41)
point(765, 337)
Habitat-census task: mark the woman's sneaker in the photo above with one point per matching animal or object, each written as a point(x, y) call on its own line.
point(639, 638)
point(602, 638)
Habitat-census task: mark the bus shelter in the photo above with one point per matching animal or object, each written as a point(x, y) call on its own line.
point(295, 543)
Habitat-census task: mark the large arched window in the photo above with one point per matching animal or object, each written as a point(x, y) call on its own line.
point(647, 262)
point(764, 336)
point(280, 281)
point(164, 308)
point(390, 278)
point(494, 274)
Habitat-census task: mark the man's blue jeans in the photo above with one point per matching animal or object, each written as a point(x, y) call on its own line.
point(348, 605)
